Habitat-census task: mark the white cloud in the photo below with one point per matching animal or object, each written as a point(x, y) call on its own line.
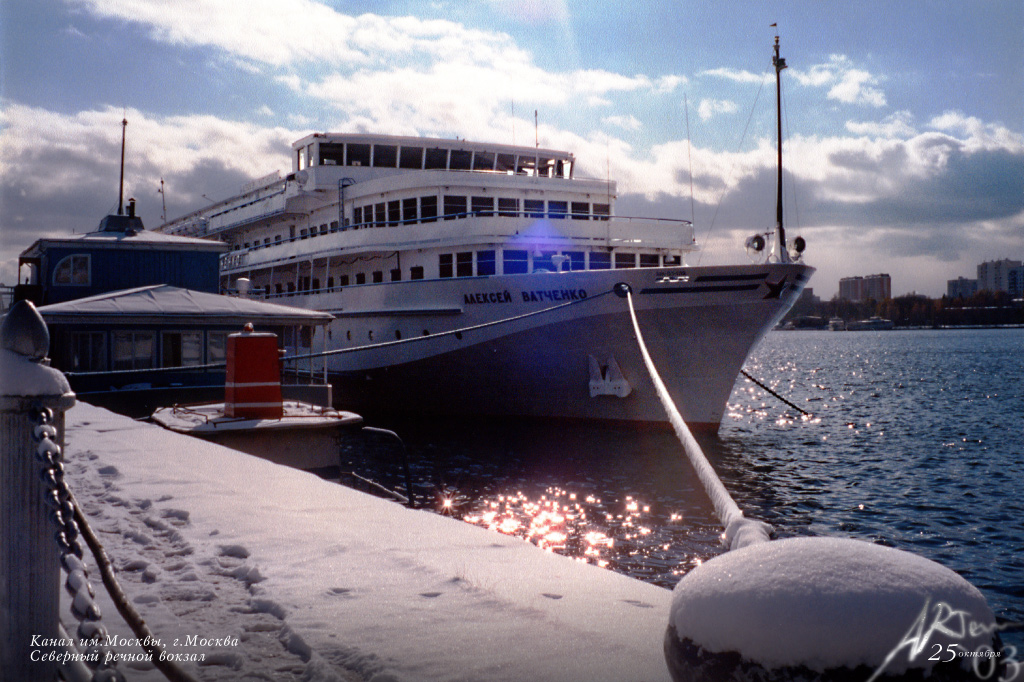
point(736, 75)
point(899, 124)
point(625, 122)
point(295, 32)
point(980, 135)
point(857, 87)
point(709, 107)
point(846, 84)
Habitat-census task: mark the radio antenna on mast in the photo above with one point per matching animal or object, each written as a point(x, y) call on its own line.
point(120, 191)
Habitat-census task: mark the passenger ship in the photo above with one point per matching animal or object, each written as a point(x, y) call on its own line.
point(471, 279)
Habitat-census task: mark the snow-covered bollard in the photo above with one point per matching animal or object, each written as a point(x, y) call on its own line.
point(29, 556)
point(821, 608)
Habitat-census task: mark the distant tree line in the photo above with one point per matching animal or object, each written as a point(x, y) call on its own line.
point(985, 308)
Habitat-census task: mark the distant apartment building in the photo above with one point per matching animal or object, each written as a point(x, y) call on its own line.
point(877, 287)
point(1015, 281)
point(995, 275)
point(961, 287)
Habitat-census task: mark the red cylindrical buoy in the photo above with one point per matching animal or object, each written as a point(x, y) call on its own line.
point(252, 388)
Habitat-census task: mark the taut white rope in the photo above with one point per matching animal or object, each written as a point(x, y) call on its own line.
point(739, 530)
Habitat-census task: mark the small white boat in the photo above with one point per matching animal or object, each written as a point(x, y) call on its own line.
point(304, 437)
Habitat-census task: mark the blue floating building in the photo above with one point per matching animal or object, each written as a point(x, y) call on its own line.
point(119, 254)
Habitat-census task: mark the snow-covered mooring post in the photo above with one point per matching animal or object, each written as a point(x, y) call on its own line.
point(30, 568)
point(818, 609)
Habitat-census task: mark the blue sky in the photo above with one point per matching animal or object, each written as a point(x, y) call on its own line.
point(904, 121)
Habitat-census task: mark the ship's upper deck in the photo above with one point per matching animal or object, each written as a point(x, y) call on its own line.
point(390, 154)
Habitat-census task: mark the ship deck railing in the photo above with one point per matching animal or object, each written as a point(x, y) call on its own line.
point(239, 258)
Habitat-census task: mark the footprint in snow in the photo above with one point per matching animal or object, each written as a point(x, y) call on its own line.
point(236, 551)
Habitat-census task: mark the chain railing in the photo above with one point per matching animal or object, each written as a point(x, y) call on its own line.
point(91, 632)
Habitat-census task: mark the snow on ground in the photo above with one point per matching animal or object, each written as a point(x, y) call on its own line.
point(320, 582)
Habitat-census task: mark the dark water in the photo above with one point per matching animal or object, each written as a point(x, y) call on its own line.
point(917, 442)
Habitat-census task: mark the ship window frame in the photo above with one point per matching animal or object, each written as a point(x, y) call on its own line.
point(416, 272)
point(377, 276)
point(505, 163)
point(361, 150)
point(653, 260)
point(483, 161)
point(76, 273)
point(558, 210)
point(394, 212)
point(435, 158)
point(503, 207)
point(603, 260)
point(482, 206)
point(409, 212)
point(486, 262)
point(360, 278)
point(519, 265)
point(533, 208)
point(542, 262)
point(464, 264)
point(428, 208)
point(414, 155)
point(577, 260)
point(579, 210)
point(333, 152)
point(445, 265)
point(601, 211)
point(380, 216)
point(460, 159)
point(357, 216)
point(624, 260)
point(458, 206)
point(389, 152)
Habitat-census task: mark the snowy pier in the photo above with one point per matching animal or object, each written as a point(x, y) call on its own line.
point(244, 567)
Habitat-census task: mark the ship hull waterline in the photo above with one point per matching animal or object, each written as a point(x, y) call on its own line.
point(699, 323)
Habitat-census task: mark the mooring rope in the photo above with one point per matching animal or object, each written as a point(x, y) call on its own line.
point(739, 530)
point(798, 409)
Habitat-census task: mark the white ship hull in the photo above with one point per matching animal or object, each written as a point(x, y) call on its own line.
point(700, 324)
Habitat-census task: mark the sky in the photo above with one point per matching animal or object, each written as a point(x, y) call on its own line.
point(903, 123)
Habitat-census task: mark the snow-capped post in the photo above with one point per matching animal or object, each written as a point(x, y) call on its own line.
point(818, 609)
point(29, 557)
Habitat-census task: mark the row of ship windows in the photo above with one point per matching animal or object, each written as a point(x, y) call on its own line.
point(425, 210)
point(517, 262)
point(432, 158)
point(484, 263)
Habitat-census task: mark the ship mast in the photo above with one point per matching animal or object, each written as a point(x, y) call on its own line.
point(120, 191)
point(779, 64)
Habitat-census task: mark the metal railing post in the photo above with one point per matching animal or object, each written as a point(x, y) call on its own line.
point(30, 572)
